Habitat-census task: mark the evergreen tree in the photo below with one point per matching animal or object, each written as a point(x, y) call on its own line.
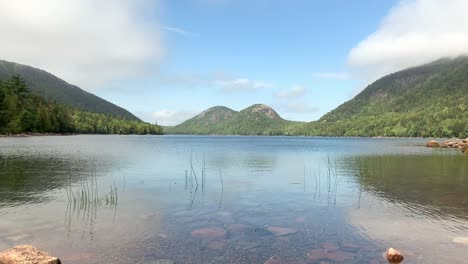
point(20, 112)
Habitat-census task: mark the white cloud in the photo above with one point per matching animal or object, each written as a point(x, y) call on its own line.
point(295, 92)
point(297, 107)
point(167, 117)
point(86, 42)
point(331, 75)
point(179, 31)
point(413, 33)
point(182, 79)
point(241, 85)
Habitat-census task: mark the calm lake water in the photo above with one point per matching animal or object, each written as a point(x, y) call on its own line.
point(197, 199)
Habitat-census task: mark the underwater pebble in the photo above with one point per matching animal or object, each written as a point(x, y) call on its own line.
point(209, 233)
point(281, 231)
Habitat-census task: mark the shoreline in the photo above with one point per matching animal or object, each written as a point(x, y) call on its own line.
point(23, 135)
point(26, 135)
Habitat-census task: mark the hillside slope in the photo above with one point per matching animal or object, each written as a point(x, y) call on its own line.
point(255, 120)
point(53, 88)
point(430, 100)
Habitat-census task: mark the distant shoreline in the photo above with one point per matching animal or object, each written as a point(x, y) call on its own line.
point(235, 135)
point(22, 135)
point(25, 135)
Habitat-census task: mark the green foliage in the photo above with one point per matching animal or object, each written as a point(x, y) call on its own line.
point(426, 101)
point(51, 88)
point(23, 112)
point(254, 120)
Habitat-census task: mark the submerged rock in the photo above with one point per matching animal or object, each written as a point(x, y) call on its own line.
point(330, 252)
point(461, 240)
point(325, 254)
point(452, 143)
point(281, 231)
point(26, 254)
point(210, 233)
point(273, 260)
point(393, 256)
point(432, 144)
point(465, 149)
point(245, 245)
point(163, 261)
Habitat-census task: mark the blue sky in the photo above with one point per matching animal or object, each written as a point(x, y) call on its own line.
point(167, 60)
point(296, 46)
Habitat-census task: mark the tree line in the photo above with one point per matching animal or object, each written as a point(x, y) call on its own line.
point(23, 112)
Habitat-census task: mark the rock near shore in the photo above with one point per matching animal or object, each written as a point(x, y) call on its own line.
point(432, 144)
point(461, 144)
point(26, 254)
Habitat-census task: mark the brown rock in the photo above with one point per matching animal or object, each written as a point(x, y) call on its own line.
point(432, 144)
point(26, 254)
point(465, 149)
point(281, 231)
point(209, 233)
point(335, 256)
point(393, 256)
point(316, 254)
point(461, 240)
point(273, 260)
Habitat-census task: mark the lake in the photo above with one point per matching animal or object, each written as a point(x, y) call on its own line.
point(222, 199)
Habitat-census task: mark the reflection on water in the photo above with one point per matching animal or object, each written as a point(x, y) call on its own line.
point(435, 182)
point(421, 202)
point(138, 199)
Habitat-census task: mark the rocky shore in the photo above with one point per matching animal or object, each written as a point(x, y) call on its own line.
point(461, 144)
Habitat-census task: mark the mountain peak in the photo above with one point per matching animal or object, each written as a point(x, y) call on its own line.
point(265, 109)
point(258, 119)
point(216, 114)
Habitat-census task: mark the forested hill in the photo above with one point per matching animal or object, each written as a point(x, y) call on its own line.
point(24, 112)
point(255, 120)
point(52, 88)
point(430, 101)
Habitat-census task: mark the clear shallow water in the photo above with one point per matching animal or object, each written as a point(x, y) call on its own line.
point(352, 197)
